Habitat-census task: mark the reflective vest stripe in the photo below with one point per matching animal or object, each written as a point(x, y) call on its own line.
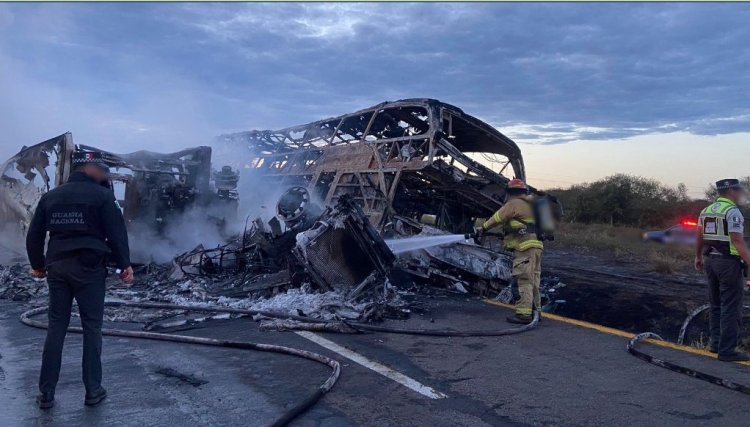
point(528, 244)
point(523, 311)
point(714, 220)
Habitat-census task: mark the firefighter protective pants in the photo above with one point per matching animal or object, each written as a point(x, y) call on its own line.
point(527, 270)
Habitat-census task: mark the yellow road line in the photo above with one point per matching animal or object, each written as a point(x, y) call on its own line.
point(618, 332)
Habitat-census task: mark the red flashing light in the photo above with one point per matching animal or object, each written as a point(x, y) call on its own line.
point(689, 222)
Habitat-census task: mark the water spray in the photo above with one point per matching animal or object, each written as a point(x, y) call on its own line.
point(408, 244)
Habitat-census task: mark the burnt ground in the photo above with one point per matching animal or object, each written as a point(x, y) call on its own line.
point(557, 374)
point(627, 295)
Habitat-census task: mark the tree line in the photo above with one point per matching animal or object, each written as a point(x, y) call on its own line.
point(632, 201)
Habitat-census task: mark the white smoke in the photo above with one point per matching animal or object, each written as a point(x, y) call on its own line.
point(181, 233)
point(12, 245)
point(258, 195)
point(257, 199)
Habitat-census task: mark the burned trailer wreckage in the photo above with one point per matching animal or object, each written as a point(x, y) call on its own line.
point(27, 175)
point(158, 187)
point(152, 188)
point(408, 165)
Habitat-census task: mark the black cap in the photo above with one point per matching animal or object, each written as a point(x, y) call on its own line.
point(84, 157)
point(726, 184)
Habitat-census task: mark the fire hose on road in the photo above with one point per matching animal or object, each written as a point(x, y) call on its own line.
point(317, 324)
point(300, 408)
point(678, 368)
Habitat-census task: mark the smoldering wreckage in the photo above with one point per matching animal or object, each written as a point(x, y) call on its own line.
point(361, 201)
point(371, 213)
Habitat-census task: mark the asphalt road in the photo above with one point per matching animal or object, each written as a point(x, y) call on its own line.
point(557, 374)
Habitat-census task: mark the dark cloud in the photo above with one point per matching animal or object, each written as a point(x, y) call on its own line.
point(544, 73)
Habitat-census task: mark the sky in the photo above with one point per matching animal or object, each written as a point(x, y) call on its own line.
point(587, 90)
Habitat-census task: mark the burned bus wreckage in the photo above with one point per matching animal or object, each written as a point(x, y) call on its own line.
point(346, 189)
point(409, 167)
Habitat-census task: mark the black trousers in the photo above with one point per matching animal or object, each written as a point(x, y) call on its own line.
point(80, 277)
point(725, 287)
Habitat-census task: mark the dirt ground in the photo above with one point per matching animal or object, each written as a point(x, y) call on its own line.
point(626, 293)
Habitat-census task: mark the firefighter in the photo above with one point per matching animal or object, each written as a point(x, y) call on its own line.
point(516, 218)
point(85, 227)
point(721, 251)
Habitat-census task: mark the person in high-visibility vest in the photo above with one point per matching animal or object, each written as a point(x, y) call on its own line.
point(721, 251)
point(516, 218)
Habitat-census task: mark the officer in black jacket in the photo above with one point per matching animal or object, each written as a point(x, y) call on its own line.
point(85, 228)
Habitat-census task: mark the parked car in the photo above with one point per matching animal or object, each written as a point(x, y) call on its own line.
point(684, 234)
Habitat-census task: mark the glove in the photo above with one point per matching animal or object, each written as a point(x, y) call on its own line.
point(478, 234)
point(38, 274)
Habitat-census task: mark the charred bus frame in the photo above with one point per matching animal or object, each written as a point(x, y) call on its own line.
point(408, 157)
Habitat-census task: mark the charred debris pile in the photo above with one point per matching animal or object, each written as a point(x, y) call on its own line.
point(343, 187)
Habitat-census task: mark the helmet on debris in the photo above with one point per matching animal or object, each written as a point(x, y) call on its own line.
point(517, 184)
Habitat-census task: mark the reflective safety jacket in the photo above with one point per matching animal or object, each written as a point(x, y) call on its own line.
point(517, 219)
point(714, 227)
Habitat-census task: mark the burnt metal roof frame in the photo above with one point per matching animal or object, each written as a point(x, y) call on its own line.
point(138, 160)
point(467, 133)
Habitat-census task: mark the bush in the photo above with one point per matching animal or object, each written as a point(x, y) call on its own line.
point(627, 200)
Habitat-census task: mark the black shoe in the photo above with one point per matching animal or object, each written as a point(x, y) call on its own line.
point(45, 400)
point(519, 320)
point(735, 357)
point(96, 397)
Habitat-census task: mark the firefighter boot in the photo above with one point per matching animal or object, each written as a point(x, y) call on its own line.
point(519, 319)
